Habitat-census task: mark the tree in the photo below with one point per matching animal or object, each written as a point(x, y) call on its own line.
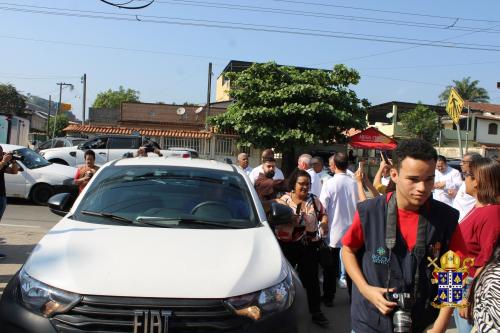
point(284, 107)
point(468, 90)
point(421, 122)
point(60, 121)
point(11, 101)
point(113, 99)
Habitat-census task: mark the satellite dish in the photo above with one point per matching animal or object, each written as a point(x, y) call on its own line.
point(389, 115)
point(198, 110)
point(181, 111)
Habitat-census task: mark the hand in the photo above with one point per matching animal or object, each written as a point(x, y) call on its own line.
point(323, 229)
point(7, 158)
point(439, 185)
point(375, 295)
point(464, 313)
point(359, 175)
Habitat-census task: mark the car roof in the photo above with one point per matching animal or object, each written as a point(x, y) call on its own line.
point(173, 161)
point(8, 147)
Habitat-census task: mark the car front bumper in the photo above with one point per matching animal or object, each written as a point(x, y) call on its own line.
point(15, 318)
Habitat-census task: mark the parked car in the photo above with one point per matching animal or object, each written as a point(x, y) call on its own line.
point(176, 245)
point(180, 152)
point(106, 148)
point(39, 179)
point(60, 142)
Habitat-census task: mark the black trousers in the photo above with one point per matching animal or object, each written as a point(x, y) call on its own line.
point(305, 259)
point(330, 274)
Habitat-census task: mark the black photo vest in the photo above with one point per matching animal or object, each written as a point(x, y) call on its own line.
point(374, 261)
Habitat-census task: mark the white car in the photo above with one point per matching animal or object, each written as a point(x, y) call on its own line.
point(39, 179)
point(159, 245)
point(108, 148)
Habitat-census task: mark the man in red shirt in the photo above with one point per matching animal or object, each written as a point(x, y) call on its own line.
point(378, 263)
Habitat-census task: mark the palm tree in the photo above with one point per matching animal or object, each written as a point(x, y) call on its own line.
point(468, 90)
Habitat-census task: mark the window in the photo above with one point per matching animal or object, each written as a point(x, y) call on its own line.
point(59, 143)
point(124, 143)
point(493, 128)
point(97, 143)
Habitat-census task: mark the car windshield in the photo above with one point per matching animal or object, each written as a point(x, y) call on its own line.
point(30, 159)
point(170, 197)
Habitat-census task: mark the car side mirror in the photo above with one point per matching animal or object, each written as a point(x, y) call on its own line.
point(59, 203)
point(280, 214)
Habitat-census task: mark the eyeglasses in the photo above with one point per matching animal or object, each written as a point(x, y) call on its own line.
point(467, 174)
point(464, 161)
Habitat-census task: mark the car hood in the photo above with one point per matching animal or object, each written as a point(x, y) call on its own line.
point(60, 149)
point(55, 169)
point(96, 259)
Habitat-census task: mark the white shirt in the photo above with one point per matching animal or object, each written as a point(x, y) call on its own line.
point(324, 176)
point(315, 182)
point(385, 180)
point(453, 181)
point(254, 174)
point(463, 202)
point(248, 169)
point(339, 196)
point(350, 174)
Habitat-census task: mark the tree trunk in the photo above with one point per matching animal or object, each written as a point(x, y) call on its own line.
point(289, 161)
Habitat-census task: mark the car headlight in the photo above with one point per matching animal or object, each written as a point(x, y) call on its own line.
point(267, 301)
point(43, 299)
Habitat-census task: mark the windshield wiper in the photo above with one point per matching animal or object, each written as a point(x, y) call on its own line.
point(174, 221)
point(107, 215)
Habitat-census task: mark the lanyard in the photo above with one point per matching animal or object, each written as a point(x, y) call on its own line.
point(390, 238)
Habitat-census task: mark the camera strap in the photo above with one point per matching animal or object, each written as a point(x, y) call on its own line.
point(390, 238)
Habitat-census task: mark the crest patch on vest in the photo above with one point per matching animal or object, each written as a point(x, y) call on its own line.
point(380, 256)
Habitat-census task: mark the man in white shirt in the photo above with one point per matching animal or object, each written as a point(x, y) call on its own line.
point(339, 196)
point(243, 163)
point(319, 168)
point(304, 163)
point(254, 174)
point(446, 182)
point(464, 202)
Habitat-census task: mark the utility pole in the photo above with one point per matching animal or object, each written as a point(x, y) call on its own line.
point(84, 81)
point(48, 116)
point(60, 84)
point(209, 92)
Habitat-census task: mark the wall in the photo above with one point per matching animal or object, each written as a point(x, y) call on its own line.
point(482, 135)
point(104, 116)
point(221, 88)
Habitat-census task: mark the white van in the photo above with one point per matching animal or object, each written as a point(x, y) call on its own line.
point(159, 245)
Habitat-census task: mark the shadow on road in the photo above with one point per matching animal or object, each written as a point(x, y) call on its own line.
point(16, 253)
point(19, 202)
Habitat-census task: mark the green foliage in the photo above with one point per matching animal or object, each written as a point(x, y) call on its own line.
point(61, 121)
point(421, 123)
point(112, 99)
point(283, 107)
point(468, 90)
point(11, 101)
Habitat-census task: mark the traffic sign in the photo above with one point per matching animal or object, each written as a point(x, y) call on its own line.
point(454, 106)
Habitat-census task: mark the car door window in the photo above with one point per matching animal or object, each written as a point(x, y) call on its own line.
point(45, 145)
point(124, 143)
point(59, 143)
point(97, 143)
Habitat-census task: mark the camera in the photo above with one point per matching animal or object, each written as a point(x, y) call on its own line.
point(89, 174)
point(149, 148)
point(401, 319)
point(15, 157)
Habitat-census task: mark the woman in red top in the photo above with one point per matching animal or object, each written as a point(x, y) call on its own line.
point(480, 228)
point(85, 172)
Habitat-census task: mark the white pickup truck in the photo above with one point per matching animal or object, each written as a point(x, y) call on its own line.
point(107, 148)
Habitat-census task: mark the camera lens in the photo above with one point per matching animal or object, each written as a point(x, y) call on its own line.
point(401, 321)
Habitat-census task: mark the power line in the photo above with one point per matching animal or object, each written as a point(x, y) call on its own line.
point(321, 4)
point(431, 66)
point(260, 28)
point(281, 11)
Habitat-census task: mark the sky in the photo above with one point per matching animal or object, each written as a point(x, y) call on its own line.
point(163, 50)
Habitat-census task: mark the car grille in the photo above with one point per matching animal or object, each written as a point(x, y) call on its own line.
point(116, 314)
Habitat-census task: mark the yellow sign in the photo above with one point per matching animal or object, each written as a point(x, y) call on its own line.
point(454, 106)
point(65, 107)
point(451, 279)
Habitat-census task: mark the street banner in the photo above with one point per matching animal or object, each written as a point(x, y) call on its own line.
point(371, 138)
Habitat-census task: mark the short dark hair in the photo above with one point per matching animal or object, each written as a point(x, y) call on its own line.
point(473, 156)
point(268, 159)
point(295, 175)
point(341, 161)
point(487, 173)
point(414, 148)
point(89, 152)
point(442, 159)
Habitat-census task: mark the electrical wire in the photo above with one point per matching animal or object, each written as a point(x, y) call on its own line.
point(125, 5)
point(259, 28)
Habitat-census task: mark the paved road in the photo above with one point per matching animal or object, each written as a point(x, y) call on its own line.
point(24, 224)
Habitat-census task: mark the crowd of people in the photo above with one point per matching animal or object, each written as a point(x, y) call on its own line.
point(382, 233)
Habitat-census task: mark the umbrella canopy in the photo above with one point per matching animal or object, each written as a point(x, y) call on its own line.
point(371, 138)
